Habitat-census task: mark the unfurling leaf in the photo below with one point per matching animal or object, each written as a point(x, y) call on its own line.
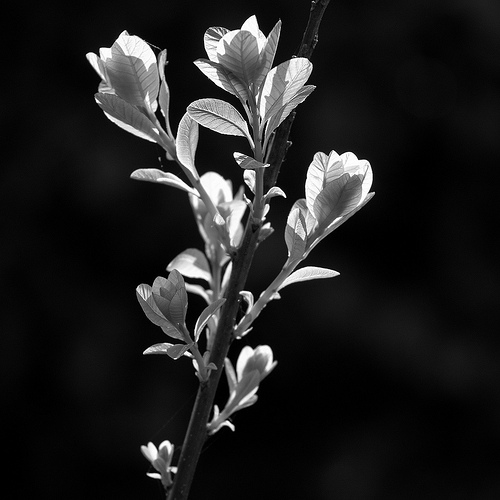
point(206, 314)
point(186, 143)
point(192, 263)
point(306, 274)
point(219, 116)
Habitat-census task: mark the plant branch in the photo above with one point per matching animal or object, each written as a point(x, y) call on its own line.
point(197, 429)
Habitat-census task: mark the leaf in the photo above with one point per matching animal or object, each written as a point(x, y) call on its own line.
point(160, 177)
point(97, 63)
point(249, 178)
point(219, 116)
point(146, 299)
point(281, 84)
point(144, 296)
point(172, 299)
point(337, 198)
point(147, 174)
point(186, 143)
point(306, 274)
point(211, 39)
point(274, 191)
point(132, 71)
point(295, 234)
point(238, 51)
point(158, 348)
point(269, 53)
point(247, 162)
point(174, 181)
point(192, 263)
point(177, 350)
point(127, 117)
point(164, 92)
point(206, 314)
point(276, 120)
point(223, 78)
point(322, 170)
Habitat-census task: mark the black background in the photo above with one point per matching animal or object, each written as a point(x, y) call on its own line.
point(387, 385)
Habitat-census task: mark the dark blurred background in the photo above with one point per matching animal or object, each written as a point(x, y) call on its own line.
point(388, 382)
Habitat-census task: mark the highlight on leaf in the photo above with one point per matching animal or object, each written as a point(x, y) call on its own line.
point(308, 273)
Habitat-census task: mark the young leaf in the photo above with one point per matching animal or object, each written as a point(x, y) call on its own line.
point(281, 84)
point(159, 176)
point(132, 71)
point(192, 263)
point(146, 299)
point(295, 234)
point(172, 298)
point(223, 78)
point(127, 117)
point(249, 178)
point(174, 181)
point(186, 143)
point(158, 348)
point(144, 296)
point(339, 197)
point(247, 162)
point(323, 169)
point(211, 39)
point(206, 314)
point(219, 116)
point(238, 51)
point(147, 174)
point(274, 191)
point(177, 350)
point(269, 53)
point(308, 273)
